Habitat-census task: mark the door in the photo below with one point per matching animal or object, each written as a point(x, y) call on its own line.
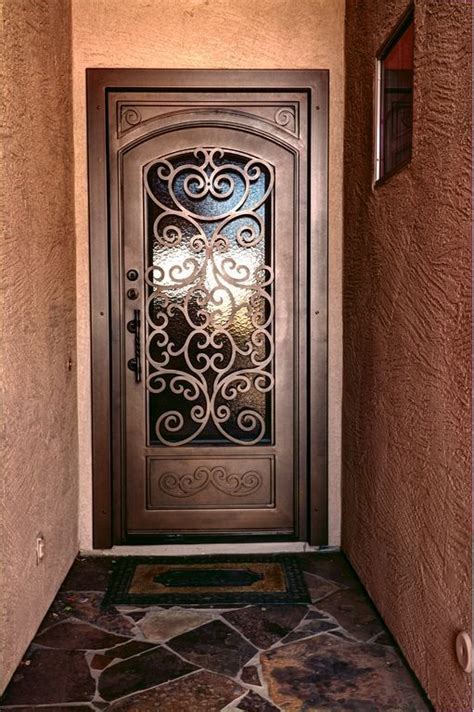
point(209, 223)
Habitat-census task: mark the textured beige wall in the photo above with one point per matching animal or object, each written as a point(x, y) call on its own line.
point(249, 34)
point(38, 480)
point(406, 423)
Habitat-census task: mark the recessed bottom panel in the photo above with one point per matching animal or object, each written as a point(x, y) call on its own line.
point(201, 483)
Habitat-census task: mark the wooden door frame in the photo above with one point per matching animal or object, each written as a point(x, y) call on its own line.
point(316, 84)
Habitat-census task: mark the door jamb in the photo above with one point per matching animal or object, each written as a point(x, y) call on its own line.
point(315, 82)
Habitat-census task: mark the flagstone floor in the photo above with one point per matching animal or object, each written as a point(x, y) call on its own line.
point(334, 654)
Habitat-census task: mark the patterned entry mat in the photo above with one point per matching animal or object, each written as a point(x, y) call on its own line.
point(206, 581)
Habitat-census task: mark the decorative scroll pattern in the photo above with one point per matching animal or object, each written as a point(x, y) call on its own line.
point(227, 482)
point(210, 345)
point(130, 117)
point(285, 116)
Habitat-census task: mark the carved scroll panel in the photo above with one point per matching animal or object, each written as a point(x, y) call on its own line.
point(195, 483)
point(283, 115)
point(210, 305)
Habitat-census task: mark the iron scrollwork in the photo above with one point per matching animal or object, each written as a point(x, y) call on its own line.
point(209, 344)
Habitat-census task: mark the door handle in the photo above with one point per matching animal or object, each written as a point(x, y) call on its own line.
point(135, 364)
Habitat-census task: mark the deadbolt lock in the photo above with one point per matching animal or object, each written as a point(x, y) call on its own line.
point(132, 364)
point(132, 294)
point(132, 275)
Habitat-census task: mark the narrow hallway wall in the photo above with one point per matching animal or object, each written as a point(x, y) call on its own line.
point(406, 404)
point(38, 481)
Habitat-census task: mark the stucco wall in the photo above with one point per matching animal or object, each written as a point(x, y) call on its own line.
point(406, 404)
point(39, 425)
point(210, 34)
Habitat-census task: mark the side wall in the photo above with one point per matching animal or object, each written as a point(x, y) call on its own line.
point(406, 404)
point(39, 460)
point(299, 34)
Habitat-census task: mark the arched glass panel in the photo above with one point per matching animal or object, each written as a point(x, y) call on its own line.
point(209, 321)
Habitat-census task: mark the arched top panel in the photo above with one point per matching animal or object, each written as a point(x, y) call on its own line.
point(280, 123)
point(202, 144)
point(282, 116)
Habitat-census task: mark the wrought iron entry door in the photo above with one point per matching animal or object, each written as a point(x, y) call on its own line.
point(208, 221)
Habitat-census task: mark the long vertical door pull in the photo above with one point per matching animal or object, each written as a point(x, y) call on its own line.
point(134, 364)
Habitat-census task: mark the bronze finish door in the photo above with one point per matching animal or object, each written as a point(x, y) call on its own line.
point(208, 216)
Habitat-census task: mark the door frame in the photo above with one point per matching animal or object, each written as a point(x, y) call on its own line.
point(106, 497)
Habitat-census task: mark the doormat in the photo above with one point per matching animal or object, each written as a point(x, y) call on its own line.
point(206, 581)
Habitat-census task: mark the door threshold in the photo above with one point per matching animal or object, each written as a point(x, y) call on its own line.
point(273, 547)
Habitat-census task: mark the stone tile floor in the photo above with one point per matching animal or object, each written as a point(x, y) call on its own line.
point(334, 654)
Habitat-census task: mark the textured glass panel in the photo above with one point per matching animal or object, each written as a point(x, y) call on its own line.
point(210, 298)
